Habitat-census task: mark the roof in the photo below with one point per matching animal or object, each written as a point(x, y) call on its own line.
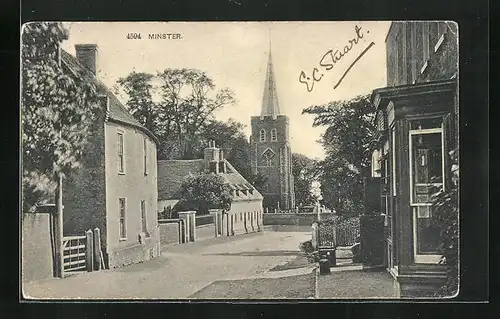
point(117, 112)
point(171, 174)
point(270, 105)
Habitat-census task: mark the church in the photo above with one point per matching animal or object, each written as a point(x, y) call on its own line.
point(270, 153)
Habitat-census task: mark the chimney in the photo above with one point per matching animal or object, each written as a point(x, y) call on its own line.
point(86, 54)
point(222, 163)
point(211, 157)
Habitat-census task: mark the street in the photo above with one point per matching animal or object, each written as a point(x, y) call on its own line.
point(183, 270)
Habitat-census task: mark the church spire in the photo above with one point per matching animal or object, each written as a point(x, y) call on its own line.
point(270, 105)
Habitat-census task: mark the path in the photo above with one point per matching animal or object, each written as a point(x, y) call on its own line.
point(182, 270)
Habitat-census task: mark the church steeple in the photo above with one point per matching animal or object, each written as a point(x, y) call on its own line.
point(270, 105)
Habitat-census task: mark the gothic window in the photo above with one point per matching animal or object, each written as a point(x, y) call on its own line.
point(267, 157)
point(274, 135)
point(263, 135)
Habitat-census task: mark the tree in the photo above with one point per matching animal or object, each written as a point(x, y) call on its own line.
point(176, 105)
point(139, 89)
point(347, 139)
point(206, 191)
point(304, 172)
point(57, 112)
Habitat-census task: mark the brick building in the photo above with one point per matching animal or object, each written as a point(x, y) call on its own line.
point(417, 122)
point(270, 153)
point(115, 189)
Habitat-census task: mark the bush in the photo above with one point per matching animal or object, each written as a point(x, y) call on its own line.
point(446, 217)
point(306, 246)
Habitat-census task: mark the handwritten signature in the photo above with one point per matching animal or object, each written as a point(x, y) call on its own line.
point(330, 58)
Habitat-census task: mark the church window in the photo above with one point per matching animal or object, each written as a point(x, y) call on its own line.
point(268, 157)
point(274, 136)
point(262, 135)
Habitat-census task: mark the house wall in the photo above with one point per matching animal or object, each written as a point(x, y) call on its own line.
point(134, 185)
point(407, 64)
point(246, 211)
point(405, 61)
point(36, 248)
point(84, 190)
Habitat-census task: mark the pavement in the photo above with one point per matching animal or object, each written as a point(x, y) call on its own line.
point(351, 282)
point(183, 270)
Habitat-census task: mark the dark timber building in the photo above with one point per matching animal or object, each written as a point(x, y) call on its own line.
point(417, 122)
point(271, 155)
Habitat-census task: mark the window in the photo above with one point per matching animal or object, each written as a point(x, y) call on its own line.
point(262, 135)
point(122, 214)
point(420, 57)
point(121, 158)
point(267, 157)
point(144, 220)
point(426, 178)
point(425, 44)
point(145, 151)
point(442, 28)
point(394, 175)
point(274, 136)
point(433, 35)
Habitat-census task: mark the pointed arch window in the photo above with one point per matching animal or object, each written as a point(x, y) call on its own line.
point(262, 135)
point(274, 135)
point(267, 157)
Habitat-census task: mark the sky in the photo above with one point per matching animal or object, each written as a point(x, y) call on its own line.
point(235, 54)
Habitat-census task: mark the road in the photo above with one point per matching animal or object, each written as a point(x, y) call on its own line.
point(182, 270)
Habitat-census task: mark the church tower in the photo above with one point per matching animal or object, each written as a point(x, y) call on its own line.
point(270, 153)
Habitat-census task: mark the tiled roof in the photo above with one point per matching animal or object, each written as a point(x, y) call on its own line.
point(171, 174)
point(117, 111)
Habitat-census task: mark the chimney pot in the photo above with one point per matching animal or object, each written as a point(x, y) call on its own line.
point(86, 54)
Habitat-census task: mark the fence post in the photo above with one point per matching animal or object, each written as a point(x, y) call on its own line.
point(58, 231)
point(215, 215)
point(192, 232)
point(89, 255)
point(314, 239)
point(187, 227)
point(245, 214)
point(97, 249)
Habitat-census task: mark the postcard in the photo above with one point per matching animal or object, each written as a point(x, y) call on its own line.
point(240, 160)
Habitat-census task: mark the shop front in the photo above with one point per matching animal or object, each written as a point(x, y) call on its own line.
point(415, 124)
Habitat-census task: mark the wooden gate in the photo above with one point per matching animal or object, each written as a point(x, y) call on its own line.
point(74, 249)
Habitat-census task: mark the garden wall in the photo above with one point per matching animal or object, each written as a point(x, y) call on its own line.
point(300, 219)
point(36, 247)
point(169, 231)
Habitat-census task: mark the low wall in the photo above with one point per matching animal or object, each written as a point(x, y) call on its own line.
point(36, 247)
point(288, 228)
point(169, 231)
point(204, 220)
point(300, 219)
point(134, 254)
